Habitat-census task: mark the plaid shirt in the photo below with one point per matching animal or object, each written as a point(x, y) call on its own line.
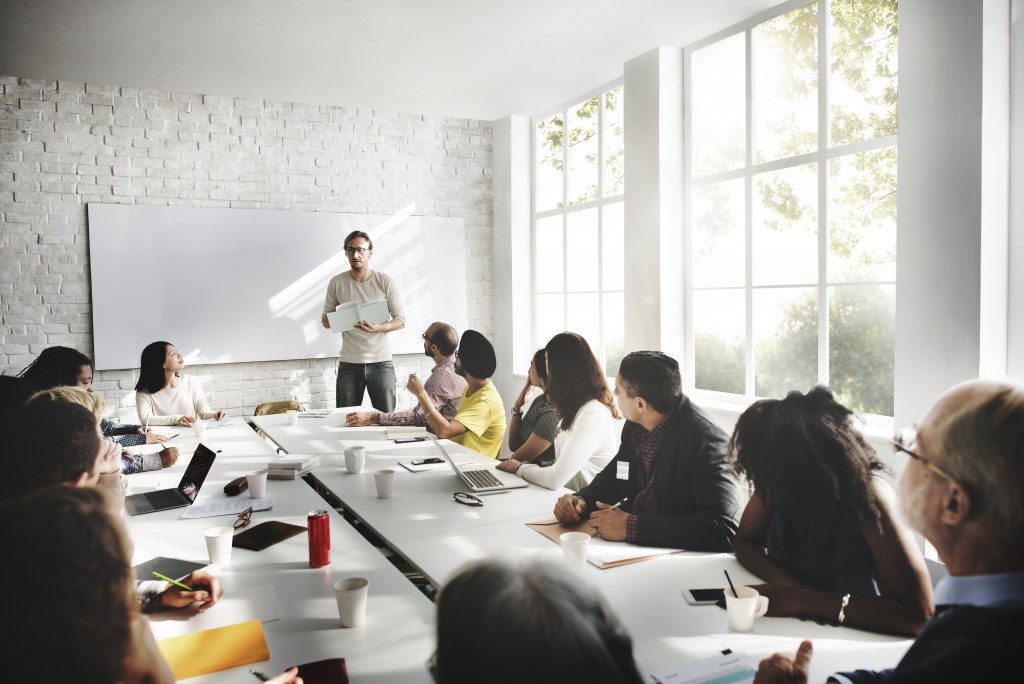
point(647, 447)
point(444, 387)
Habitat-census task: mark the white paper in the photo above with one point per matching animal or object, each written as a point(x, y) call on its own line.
point(407, 464)
point(217, 424)
point(239, 605)
point(212, 509)
point(405, 431)
point(734, 668)
point(346, 315)
point(601, 551)
point(143, 449)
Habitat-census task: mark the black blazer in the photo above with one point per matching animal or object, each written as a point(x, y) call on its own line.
point(696, 494)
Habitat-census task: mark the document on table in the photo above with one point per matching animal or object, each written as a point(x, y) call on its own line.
point(396, 431)
point(143, 449)
point(600, 552)
point(238, 605)
point(217, 424)
point(212, 650)
point(726, 668)
point(346, 315)
point(407, 464)
point(211, 509)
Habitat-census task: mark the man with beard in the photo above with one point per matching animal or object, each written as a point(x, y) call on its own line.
point(479, 422)
point(444, 386)
point(961, 489)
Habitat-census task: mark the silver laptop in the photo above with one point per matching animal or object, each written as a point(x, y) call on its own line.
point(182, 495)
point(480, 478)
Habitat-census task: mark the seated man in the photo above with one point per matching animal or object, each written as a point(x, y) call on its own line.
point(479, 422)
point(670, 473)
point(961, 489)
point(444, 386)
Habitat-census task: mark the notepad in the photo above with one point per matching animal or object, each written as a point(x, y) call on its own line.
point(212, 650)
point(345, 317)
point(396, 431)
point(602, 553)
point(727, 668)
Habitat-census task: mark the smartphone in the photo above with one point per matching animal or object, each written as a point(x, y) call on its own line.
point(425, 461)
point(703, 597)
point(406, 440)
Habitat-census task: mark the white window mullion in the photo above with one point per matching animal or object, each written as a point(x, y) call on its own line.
point(748, 218)
point(824, 6)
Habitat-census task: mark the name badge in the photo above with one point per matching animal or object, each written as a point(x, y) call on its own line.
point(622, 470)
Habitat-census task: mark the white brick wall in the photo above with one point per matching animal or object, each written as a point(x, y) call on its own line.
point(64, 144)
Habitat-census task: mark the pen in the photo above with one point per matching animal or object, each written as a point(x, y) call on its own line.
point(258, 675)
point(621, 501)
point(172, 581)
point(498, 491)
point(172, 436)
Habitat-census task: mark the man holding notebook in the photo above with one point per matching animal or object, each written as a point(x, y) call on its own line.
point(366, 362)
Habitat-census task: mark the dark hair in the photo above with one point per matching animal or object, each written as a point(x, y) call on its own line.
point(357, 234)
point(540, 364)
point(79, 627)
point(653, 376)
point(574, 377)
point(446, 338)
point(151, 368)
point(56, 366)
point(562, 628)
point(54, 443)
point(804, 455)
point(14, 392)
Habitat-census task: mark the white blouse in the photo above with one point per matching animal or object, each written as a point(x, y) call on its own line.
point(580, 452)
point(167, 406)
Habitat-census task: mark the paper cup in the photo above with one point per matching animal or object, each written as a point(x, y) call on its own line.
point(744, 608)
point(574, 549)
point(218, 544)
point(293, 417)
point(199, 428)
point(384, 480)
point(355, 459)
point(351, 594)
point(257, 481)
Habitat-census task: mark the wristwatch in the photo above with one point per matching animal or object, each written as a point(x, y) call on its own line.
point(517, 411)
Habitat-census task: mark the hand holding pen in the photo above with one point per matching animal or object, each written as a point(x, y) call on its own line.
point(608, 522)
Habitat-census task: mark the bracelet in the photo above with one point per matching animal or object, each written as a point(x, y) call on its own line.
point(842, 610)
point(517, 411)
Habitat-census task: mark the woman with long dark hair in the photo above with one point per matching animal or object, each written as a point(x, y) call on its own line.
point(163, 395)
point(589, 434)
point(820, 527)
point(531, 436)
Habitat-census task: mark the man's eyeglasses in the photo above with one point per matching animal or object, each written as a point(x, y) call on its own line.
point(243, 518)
point(356, 250)
point(468, 499)
point(902, 442)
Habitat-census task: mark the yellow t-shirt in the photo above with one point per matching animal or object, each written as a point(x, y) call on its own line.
point(483, 414)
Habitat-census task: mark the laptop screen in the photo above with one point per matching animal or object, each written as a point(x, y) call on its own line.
point(196, 472)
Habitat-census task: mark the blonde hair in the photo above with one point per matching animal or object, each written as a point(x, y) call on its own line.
point(75, 395)
point(982, 443)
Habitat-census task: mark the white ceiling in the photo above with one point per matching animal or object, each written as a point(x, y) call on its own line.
point(470, 58)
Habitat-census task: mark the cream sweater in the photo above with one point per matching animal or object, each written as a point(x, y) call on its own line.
point(167, 406)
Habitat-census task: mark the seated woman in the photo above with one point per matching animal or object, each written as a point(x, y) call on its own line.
point(589, 435)
point(163, 396)
point(531, 437)
point(820, 527)
point(556, 629)
point(84, 626)
point(67, 367)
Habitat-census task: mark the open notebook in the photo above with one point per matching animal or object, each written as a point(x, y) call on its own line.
point(346, 315)
point(604, 554)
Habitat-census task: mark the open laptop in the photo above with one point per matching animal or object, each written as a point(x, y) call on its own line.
point(182, 495)
point(481, 479)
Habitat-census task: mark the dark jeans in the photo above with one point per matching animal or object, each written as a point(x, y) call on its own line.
point(377, 378)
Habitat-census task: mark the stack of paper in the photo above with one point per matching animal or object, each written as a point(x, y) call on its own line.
point(291, 466)
point(346, 315)
point(396, 431)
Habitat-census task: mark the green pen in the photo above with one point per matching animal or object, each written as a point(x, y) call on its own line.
point(175, 582)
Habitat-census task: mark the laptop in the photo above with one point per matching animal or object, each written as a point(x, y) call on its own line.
point(481, 479)
point(182, 495)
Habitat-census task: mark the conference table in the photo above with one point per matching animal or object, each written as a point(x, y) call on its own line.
point(391, 646)
point(423, 524)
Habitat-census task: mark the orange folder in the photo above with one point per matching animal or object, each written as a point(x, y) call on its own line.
point(211, 650)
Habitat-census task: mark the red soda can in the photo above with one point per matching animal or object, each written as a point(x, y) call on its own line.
point(319, 538)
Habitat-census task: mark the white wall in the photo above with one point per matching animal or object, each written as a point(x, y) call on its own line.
point(65, 144)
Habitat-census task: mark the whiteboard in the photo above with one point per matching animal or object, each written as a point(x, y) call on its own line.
point(233, 285)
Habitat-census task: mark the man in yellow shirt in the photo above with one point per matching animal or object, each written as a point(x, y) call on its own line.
point(479, 422)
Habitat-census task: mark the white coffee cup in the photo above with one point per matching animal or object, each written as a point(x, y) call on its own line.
point(293, 417)
point(574, 549)
point(199, 427)
point(257, 481)
point(218, 544)
point(351, 593)
point(743, 608)
point(384, 480)
point(355, 459)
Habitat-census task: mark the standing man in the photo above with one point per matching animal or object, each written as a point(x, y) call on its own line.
point(365, 351)
point(479, 422)
point(444, 386)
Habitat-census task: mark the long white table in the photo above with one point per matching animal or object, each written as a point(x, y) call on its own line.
point(397, 637)
point(438, 536)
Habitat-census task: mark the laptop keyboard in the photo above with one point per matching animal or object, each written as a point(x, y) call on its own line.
point(482, 478)
point(164, 498)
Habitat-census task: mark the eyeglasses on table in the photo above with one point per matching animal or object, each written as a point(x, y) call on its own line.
point(467, 499)
point(243, 519)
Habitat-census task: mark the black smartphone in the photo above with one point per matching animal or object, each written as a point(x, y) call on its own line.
point(425, 461)
point(703, 597)
point(406, 440)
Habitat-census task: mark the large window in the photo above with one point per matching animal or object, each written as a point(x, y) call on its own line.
point(791, 205)
point(578, 237)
